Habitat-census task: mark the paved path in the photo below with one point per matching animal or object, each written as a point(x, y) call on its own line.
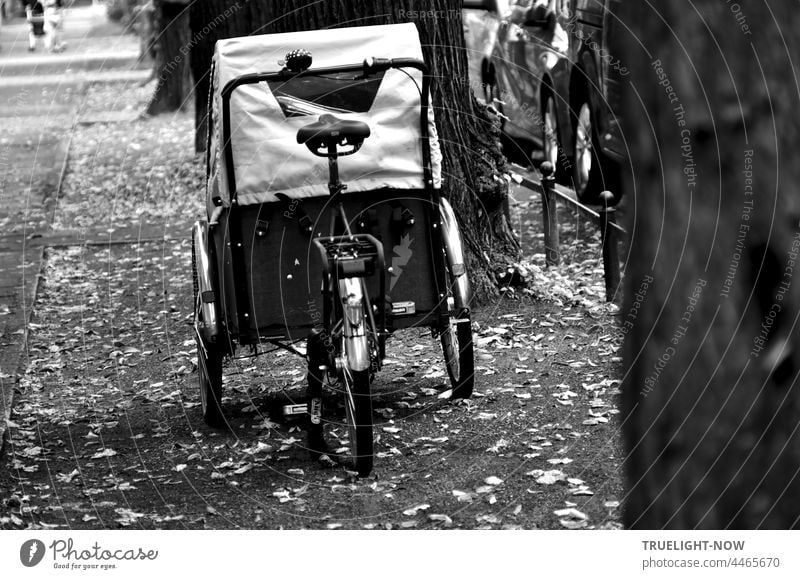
point(40, 94)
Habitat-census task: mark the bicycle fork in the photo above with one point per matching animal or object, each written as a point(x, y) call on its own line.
point(356, 346)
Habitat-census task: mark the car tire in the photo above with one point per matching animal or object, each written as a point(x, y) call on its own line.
point(554, 152)
point(592, 172)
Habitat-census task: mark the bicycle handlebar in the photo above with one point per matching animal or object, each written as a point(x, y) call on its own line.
point(373, 65)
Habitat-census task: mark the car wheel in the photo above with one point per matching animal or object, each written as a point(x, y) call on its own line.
point(489, 81)
point(592, 172)
point(553, 150)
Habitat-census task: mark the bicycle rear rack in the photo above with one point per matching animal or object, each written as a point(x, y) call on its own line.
point(357, 256)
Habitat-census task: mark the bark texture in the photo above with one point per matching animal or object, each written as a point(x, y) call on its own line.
point(711, 405)
point(172, 51)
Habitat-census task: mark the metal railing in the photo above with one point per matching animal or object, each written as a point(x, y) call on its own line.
point(606, 217)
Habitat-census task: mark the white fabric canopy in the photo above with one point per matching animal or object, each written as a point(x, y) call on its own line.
point(267, 158)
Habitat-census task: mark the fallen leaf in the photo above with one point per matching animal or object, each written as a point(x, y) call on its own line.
point(127, 516)
point(571, 513)
point(441, 519)
point(497, 446)
point(108, 452)
point(549, 477)
point(67, 478)
point(413, 511)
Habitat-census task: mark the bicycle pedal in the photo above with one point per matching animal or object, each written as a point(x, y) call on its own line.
point(294, 410)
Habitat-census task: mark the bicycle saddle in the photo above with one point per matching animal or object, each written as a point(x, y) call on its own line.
point(322, 136)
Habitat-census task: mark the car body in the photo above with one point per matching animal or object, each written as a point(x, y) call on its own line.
point(546, 67)
point(595, 140)
point(481, 24)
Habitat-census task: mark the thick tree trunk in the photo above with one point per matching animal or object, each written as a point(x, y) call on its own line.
point(711, 399)
point(472, 161)
point(174, 87)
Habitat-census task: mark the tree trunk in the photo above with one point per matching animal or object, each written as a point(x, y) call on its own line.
point(472, 159)
point(173, 45)
point(711, 399)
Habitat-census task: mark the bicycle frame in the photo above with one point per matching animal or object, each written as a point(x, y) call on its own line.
point(258, 279)
point(241, 295)
point(352, 288)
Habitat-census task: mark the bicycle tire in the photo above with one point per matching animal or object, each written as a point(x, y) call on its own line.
point(209, 364)
point(456, 335)
point(355, 373)
point(459, 356)
point(210, 372)
point(358, 409)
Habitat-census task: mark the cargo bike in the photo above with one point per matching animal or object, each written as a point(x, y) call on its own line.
point(325, 224)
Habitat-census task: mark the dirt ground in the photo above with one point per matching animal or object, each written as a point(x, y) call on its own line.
point(107, 429)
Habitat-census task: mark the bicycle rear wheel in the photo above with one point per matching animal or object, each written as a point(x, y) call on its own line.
point(456, 333)
point(458, 355)
point(210, 370)
point(209, 361)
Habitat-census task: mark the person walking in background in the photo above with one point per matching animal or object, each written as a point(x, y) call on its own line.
point(34, 10)
point(52, 25)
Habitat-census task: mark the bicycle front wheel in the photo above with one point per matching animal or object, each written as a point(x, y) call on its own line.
point(355, 373)
point(358, 408)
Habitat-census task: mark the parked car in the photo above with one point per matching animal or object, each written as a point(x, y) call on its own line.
point(595, 138)
point(481, 23)
point(546, 67)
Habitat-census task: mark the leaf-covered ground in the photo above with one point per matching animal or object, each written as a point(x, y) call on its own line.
point(107, 429)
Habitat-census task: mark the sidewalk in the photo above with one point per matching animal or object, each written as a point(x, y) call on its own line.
point(42, 94)
point(86, 30)
point(95, 48)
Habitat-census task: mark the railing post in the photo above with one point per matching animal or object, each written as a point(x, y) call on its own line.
point(549, 214)
point(609, 241)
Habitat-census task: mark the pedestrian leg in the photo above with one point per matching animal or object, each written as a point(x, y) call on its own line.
point(56, 43)
point(49, 33)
